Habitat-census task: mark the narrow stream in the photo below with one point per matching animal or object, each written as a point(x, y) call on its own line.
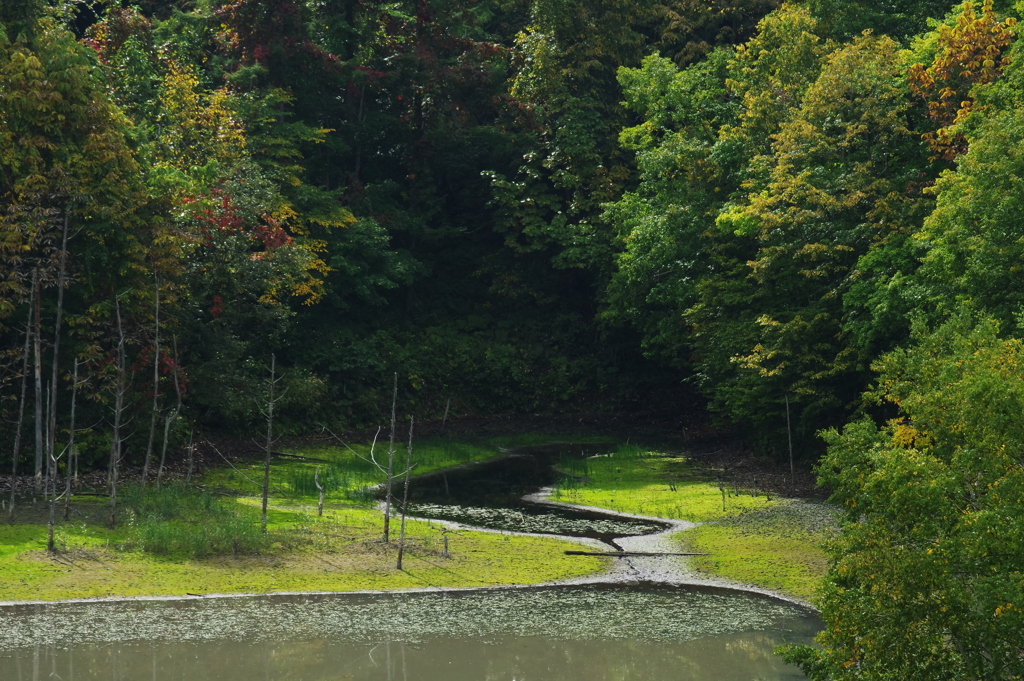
point(594, 632)
point(491, 495)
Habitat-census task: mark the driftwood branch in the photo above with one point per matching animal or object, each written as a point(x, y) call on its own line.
point(623, 554)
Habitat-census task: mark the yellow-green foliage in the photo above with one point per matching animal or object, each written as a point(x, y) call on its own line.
point(340, 552)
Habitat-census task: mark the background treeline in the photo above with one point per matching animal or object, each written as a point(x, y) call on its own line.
point(515, 205)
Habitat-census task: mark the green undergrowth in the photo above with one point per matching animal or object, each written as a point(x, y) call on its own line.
point(770, 542)
point(777, 548)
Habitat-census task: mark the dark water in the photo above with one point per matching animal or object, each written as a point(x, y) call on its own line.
point(491, 495)
point(582, 633)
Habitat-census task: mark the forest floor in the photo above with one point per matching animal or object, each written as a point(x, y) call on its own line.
point(771, 544)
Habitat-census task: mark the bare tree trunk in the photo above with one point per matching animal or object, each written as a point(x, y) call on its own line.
point(191, 455)
point(38, 365)
point(320, 489)
point(115, 444)
point(270, 437)
point(51, 481)
point(789, 432)
point(71, 444)
point(21, 418)
point(405, 498)
point(172, 417)
point(388, 484)
point(444, 421)
point(156, 385)
point(51, 439)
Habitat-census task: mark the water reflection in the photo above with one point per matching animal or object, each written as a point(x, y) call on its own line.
point(566, 633)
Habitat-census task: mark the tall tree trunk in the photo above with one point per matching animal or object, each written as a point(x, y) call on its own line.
point(21, 418)
point(390, 473)
point(38, 366)
point(156, 385)
point(173, 416)
point(405, 498)
point(270, 438)
point(115, 444)
point(71, 444)
point(51, 429)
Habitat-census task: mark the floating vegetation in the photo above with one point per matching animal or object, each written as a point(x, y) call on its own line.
point(597, 612)
point(531, 519)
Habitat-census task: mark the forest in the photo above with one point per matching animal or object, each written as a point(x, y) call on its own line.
point(804, 217)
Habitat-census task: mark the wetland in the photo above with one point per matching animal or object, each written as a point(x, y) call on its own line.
point(596, 618)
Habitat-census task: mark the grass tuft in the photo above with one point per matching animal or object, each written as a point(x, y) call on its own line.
point(182, 521)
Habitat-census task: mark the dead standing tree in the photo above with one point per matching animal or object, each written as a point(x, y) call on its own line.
point(268, 449)
point(72, 455)
point(51, 428)
point(37, 342)
point(21, 419)
point(405, 497)
point(120, 389)
point(155, 411)
point(172, 417)
point(387, 468)
point(388, 484)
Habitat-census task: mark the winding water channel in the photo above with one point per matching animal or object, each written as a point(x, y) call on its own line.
point(583, 632)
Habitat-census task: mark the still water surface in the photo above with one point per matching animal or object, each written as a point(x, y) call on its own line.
point(568, 633)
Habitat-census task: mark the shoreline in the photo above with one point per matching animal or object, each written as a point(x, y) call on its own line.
point(632, 570)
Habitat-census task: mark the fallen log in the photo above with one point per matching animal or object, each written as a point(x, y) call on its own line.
point(300, 457)
point(623, 554)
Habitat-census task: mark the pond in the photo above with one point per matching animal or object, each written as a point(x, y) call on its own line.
point(569, 633)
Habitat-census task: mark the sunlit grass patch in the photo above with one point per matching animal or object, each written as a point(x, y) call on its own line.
point(635, 480)
point(778, 549)
point(341, 551)
point(774, 544)
point(180, 520)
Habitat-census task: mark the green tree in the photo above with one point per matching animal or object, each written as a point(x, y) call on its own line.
point(926, 578)
point(974, 237)
point(831, 208)
point(968, 53)
point(682, 185)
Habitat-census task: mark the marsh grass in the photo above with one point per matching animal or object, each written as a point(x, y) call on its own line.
point(180, 520)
